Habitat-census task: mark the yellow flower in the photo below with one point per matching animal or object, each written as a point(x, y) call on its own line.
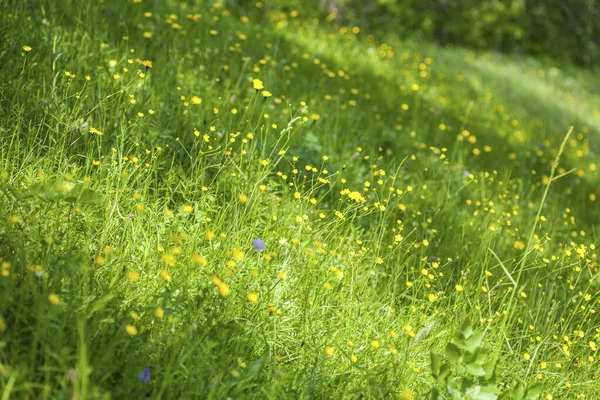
point(266, 94)
point(253, 297)
point(53, 299)
point(242, 198)
point(134, 276)
point(459, 288)
point(329, 351)
point(198, 259)
point(159, 312)
point(210, 235)
point(375, 345)
point(26, 49)
point(196, 100)
point(169, 259)
point(238, 254)
point(147, 64)
point(188, 209)
point(165, 275)
point(131, 330)
point(222, 286)
point(2, 325)
point(257, 84)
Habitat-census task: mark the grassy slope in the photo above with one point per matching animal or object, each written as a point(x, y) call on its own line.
point(390, 263)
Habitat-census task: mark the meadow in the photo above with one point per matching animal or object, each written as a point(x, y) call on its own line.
point(203, 201)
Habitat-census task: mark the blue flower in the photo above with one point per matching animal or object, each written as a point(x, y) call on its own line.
point(144, 375)
point(259, 244)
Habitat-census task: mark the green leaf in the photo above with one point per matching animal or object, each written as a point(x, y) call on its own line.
point(453, 353)
point(444, 372)
point(101, 303)
point(466, 329)
point(473, 342)
point(18, 194)
point(435, 394)
point(533, 391)
point(518, 392)
point(88, 196)
point(436, 364)
point(72, 195)
point(475, 370)
point(481, 393)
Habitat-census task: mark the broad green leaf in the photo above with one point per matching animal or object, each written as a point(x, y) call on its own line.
point(453, 353)
point(533, 391)
point(466, 329)
point(88, 196)
point(435, 394)
point(518, 392)
point(475, 370)
point(436, 363)
point(474, 341)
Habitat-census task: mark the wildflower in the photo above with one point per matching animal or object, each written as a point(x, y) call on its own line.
point(329, 351)
point(196, 100)
point(259, 244)
point(198, 259)
point(159, 312)
point(210, 235)
point(165, 275)
point(257, 84)
point(144, 376)
point(238, 254)
point(222, 286)
point(26, 49)
point(375, 345)
point(131, 330)
point(266, 94)
point(147, 64)
point(242, 198)
point(53, 299)
point(459, 288)
point(253, 297)
point(169, 259)
point(133, 276)
point(188, 209)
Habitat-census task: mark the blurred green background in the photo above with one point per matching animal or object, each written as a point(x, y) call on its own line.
point(565, 30)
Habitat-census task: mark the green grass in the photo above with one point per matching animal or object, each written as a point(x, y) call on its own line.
point(402, 190)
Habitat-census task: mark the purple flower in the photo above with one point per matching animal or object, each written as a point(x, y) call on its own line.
point(466, 173)
point(259, 244)
point(144, 375)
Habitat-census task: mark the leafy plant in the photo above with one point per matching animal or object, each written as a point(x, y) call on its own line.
point(471, 371)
